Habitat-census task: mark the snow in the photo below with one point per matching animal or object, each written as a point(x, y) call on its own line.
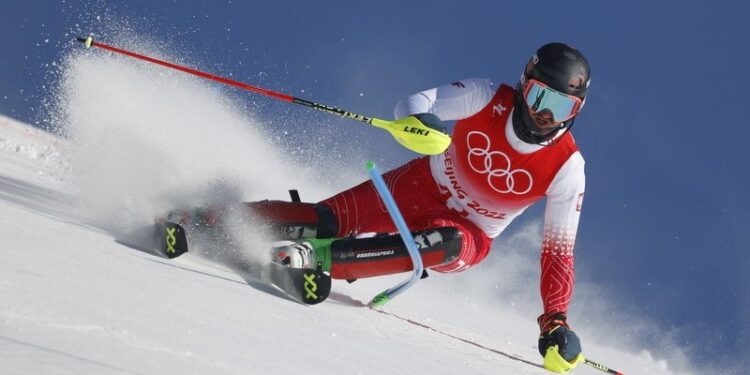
point(78, 297)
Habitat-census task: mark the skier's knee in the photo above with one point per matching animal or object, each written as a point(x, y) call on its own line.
point(471, 247)
point(447, 239)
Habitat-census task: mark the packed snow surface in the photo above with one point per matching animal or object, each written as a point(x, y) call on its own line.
point(80, 294)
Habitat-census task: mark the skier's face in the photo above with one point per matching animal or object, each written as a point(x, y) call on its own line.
point(547, 106)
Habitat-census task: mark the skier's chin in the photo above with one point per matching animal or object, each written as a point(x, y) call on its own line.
point(544, 126)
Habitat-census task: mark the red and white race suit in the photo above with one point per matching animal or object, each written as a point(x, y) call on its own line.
point(486, 178)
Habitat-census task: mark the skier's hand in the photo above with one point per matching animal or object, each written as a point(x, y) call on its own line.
point(558, 344)
point(431, 121)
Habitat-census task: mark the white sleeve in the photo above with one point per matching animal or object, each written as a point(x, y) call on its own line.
point(564, 200)
point(455, 101)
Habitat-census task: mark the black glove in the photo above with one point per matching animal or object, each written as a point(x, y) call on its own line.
point(431, 121)
point(555, 331)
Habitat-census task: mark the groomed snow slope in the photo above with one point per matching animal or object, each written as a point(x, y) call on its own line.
point(75, 298)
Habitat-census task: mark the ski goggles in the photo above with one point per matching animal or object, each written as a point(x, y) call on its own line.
point(540, 97)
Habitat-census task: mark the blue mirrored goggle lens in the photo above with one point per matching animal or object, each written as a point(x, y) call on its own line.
point(541, 98)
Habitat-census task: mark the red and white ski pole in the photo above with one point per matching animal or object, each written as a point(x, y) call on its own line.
point(409, 131)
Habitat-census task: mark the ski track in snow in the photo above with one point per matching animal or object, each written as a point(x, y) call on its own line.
point(76, 299)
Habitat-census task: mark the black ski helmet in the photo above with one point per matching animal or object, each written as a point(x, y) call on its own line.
point(560, 67)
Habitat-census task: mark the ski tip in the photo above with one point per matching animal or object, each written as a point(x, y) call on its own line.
point(86, 41)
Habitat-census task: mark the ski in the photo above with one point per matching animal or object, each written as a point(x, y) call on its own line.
point(307, 286)
point(172, 239)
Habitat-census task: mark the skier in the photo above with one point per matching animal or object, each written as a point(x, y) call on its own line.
point(511, 147)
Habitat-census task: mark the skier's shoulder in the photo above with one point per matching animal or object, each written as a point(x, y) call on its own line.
point(571, 176)
point(575, 161)
point(573, 169)
point(451, 101)
point(567, 145)
point(466, 97)
point(483, 89)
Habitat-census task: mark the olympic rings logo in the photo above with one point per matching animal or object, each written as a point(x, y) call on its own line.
point(496, 165)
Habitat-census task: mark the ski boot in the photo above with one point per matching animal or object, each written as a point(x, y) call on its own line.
point(300, 269)
point(304, 254)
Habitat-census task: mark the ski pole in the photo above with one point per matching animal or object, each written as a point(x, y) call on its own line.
point(382, 298)
point(601, 367)
point(409, 132)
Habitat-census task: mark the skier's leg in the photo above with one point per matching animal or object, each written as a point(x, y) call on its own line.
point(353, 258)
point(285, 220)
point(454, 246)
point(353, 211)
point(361, 210)
point(294, 220)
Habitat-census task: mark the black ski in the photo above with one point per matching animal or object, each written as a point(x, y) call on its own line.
point(307, 286)
point(172, 239)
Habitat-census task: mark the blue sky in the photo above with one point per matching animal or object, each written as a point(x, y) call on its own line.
point(666, 207)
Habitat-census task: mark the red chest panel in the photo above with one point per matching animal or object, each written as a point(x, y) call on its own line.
point(488, 167)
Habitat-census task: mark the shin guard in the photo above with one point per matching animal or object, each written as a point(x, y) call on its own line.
point(354, 258)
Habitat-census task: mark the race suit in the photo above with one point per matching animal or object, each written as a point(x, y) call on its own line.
point(486, 178)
